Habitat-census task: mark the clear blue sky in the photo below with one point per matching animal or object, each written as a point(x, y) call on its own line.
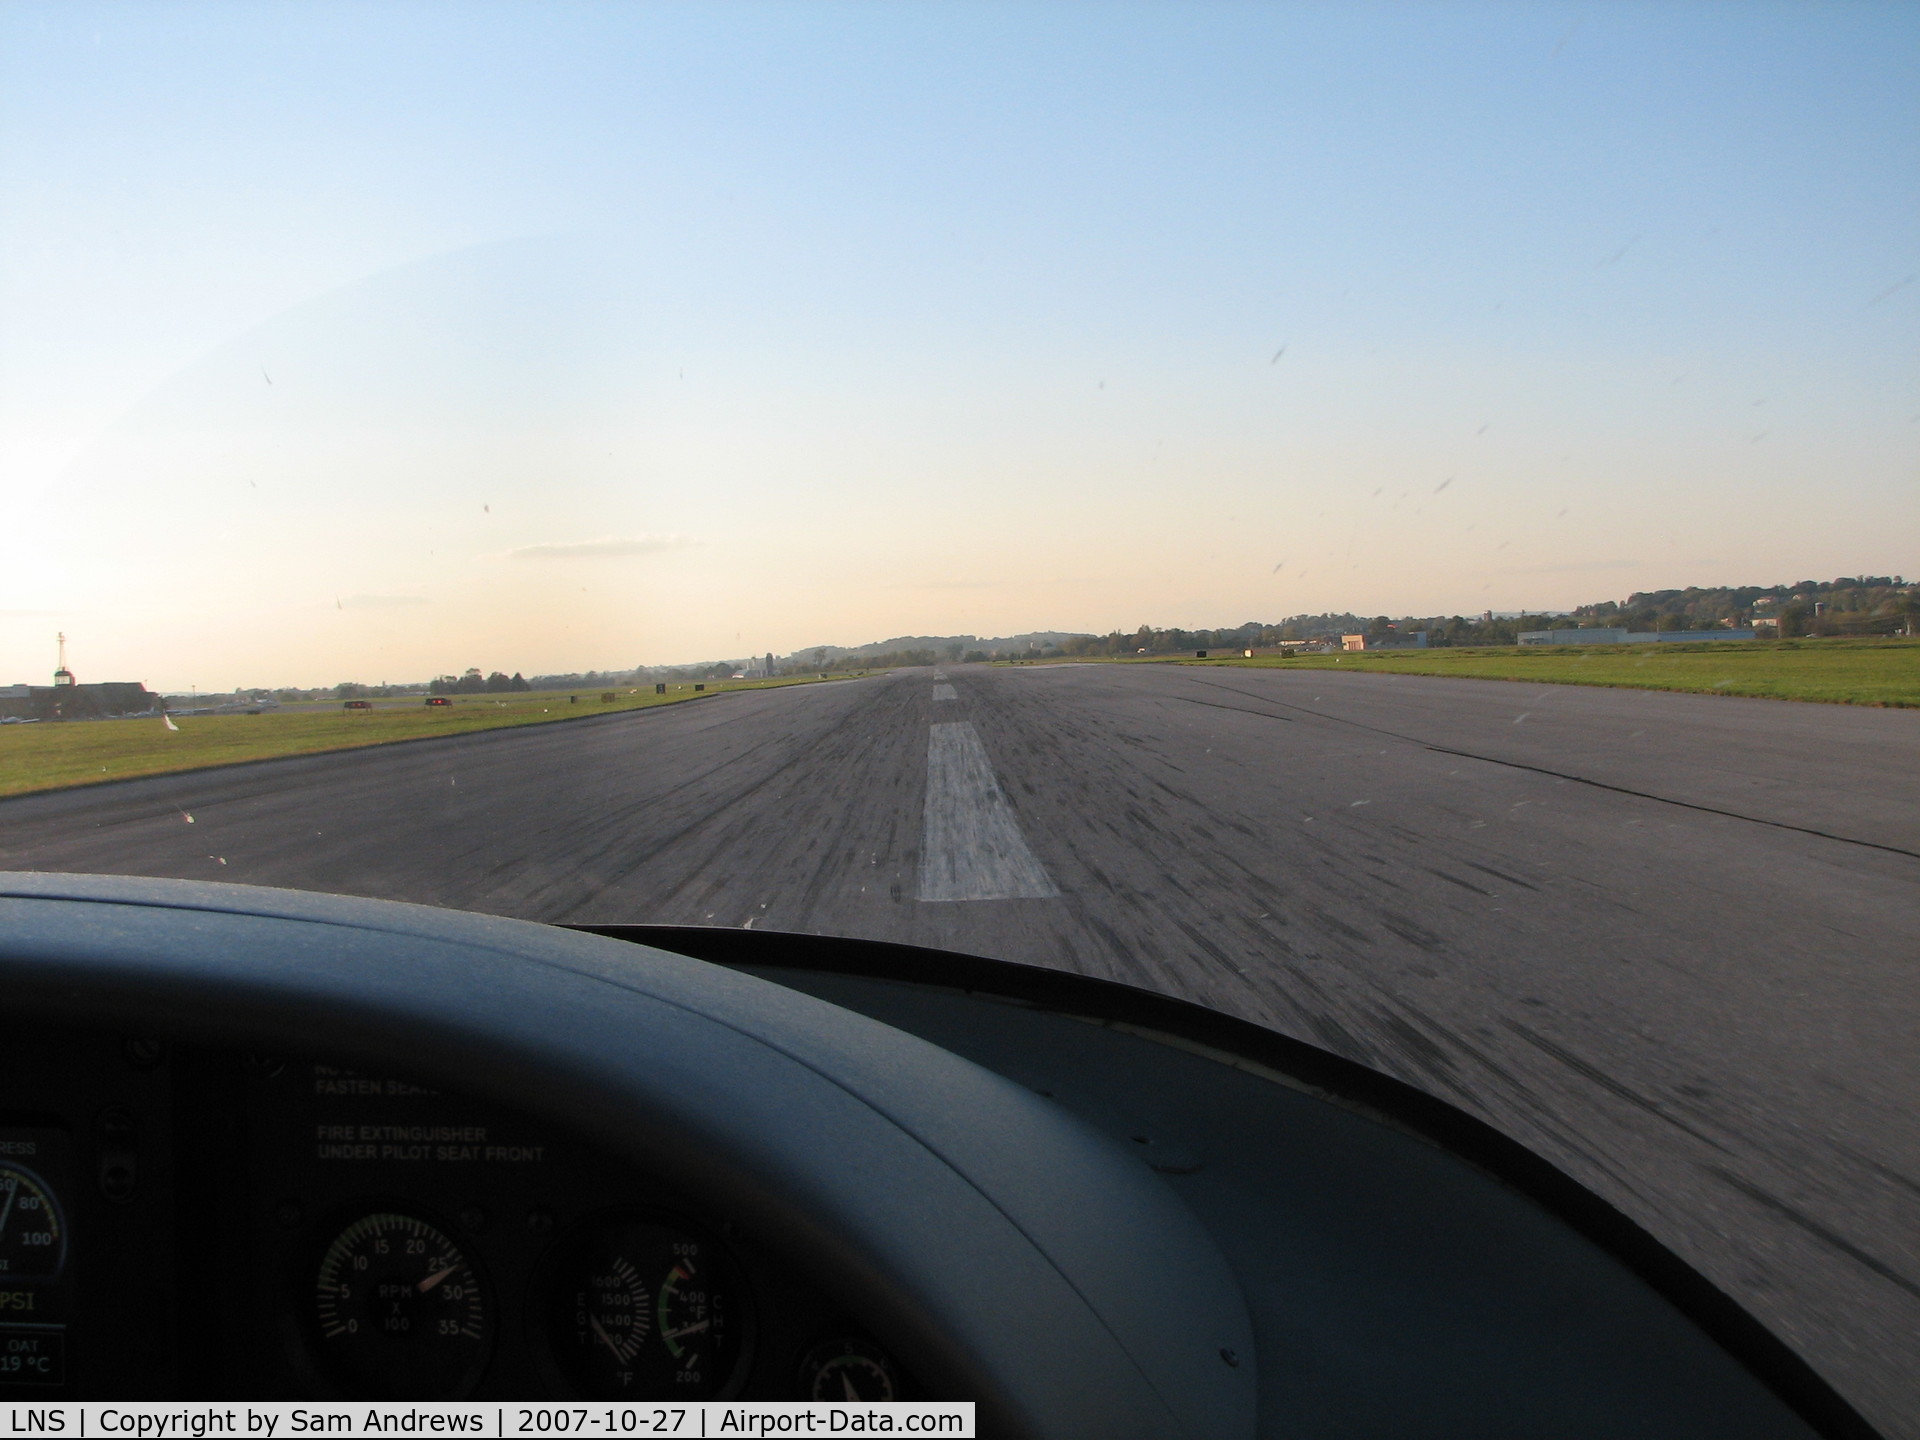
point(368, 341)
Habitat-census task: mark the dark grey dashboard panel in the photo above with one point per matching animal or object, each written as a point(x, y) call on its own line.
point(1397, 1291)
point(199, 1191)
point(96, 1134)
point(1009, 1252)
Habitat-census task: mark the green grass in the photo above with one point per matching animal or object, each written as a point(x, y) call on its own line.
point(52, 756)
point(1834, 671)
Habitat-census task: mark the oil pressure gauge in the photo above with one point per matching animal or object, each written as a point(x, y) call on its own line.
point(33, 1239)
point(641, 1308)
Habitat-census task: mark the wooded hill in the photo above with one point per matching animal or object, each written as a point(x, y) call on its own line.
point(1850, 605)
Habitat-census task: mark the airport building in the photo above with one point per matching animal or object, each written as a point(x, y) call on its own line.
point(103, 701)
point(68, 699)
point(1413, 640)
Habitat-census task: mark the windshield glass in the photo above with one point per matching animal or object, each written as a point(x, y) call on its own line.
point(1303, 508)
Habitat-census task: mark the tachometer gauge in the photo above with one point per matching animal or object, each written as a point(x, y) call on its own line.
point(642, 1309)
point(33, 1241)
point(399, 1312)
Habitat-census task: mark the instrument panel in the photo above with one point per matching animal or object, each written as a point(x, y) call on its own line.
point(185, 1222)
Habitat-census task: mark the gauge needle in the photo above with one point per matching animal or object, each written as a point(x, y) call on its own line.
point(7, 1214)
point(605, 1338)
point(693, 1329)
point(846, 1384)
point(433, 1280)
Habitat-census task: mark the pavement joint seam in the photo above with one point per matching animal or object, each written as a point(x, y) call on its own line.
point(1577, 779)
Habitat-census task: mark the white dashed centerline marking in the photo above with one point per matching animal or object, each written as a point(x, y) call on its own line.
point(945, 692)
point(971, 847)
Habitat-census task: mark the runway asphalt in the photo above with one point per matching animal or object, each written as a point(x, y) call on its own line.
point(1670, 941)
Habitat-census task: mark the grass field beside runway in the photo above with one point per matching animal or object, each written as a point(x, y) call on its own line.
point(50, 756)
point(1846, 672)
point(1833, 671)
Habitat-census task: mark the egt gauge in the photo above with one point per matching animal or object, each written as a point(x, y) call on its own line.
point(642, 1308)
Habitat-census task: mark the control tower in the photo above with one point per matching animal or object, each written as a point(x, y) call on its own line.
point(63, 676)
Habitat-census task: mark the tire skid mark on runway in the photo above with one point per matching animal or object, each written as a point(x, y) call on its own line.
point(624, 851)
point(1825, 1234)
point(1595, 1075)
point(1422, 1059)
point(1885, 1172)
point(1500, 875)
point(618, 858)
point(1425, 1052)
point(560, 896)
point(1425, 1061)
point(829, 840)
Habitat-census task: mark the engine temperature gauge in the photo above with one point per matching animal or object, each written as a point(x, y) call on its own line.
point(642, 1309)
point(33, 1241)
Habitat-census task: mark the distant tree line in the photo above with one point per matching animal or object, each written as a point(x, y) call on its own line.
point(473, 683)
point(1850, 605)
point(1442, 630)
